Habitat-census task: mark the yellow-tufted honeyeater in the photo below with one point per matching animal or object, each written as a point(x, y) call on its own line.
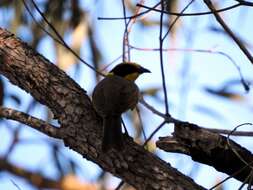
point(114, 95)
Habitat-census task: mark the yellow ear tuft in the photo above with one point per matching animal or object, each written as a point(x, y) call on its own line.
point(132, 76)
point(110, 74)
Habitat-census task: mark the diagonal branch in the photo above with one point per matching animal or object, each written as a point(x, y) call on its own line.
point(34, 178)
point(180, 13)
point(228, 30)
point(31, 121)
point(170, 119)
point(81, 128)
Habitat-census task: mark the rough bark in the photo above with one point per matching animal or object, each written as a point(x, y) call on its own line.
point(80, 126)
point(210, 148)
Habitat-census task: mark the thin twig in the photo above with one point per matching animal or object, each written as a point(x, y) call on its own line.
point(186, 14)
point(228, 30)
point(250, 180)
point(39, 24)
point(236, 153)
point(171, 13)
point(243, 81)
point(152, 109)
point(176, 19)
point(161, 40)
point(15, 184)
point(154, 132)
point(141, 122)
point(229, 177)
point(129, 17)
point(120, 185)
point(170, 119)
point(125, 36)
point(124, 126)
point(244, 182)
point(59, 36)
point(246, 3)
point(235, 133)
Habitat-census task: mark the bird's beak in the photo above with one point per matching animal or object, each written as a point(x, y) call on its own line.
point(143, 70)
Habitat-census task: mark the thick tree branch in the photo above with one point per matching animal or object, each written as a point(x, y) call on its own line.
point(81, 128)
point(209, 148)
point(31, 121)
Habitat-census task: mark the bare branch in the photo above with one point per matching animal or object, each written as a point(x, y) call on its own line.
point(208, 148)
point(183, 14)
point(240, 3)
point(31, 121)
point(59, 38)
point(161, 40)
point(235, 133)
point(34, 178)
point(228, 30)
point(170, 119)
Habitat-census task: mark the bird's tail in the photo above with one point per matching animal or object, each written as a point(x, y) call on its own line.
point(112, 133)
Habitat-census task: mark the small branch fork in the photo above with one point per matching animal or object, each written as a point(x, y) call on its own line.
point(228, 30)
point(240, 3)
point(154, 8)
point(170, 119)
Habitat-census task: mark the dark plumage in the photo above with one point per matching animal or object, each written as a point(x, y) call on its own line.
point(114, 95)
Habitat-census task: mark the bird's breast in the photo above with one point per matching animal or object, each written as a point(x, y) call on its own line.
point(114, 95)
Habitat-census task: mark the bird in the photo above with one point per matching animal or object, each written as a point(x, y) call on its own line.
point(114, 95)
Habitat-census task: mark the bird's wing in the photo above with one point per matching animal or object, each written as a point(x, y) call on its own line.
point(115, 95)
point(129, 94)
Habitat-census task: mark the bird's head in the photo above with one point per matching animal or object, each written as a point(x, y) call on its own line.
point(130, 71)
